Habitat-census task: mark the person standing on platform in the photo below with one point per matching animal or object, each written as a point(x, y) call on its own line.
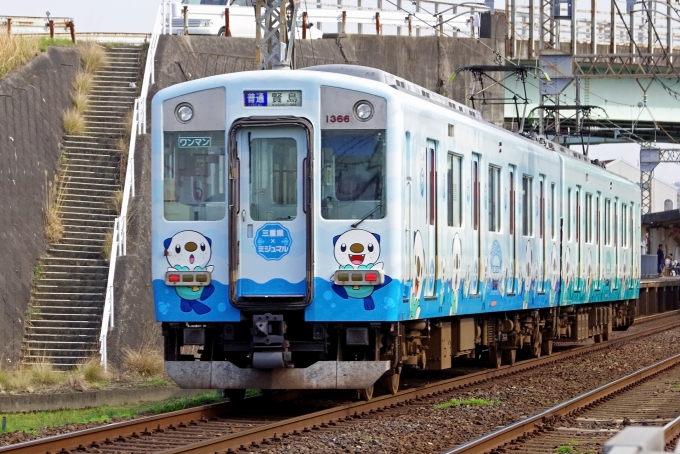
point(660, 259)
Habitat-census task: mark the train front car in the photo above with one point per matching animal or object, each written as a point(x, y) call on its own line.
point(275, 257)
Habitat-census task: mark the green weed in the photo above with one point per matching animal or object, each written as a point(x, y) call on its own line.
point(35, 421)
point(44, 43)
point(459, 402)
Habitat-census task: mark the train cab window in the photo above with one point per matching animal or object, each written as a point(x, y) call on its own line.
point(454, 204)
point(194, 176)
point(527, 206)
point(273, 179)
point(494, 199)
point(353, 174)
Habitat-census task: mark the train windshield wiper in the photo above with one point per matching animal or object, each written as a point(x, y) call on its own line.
point(356, 224)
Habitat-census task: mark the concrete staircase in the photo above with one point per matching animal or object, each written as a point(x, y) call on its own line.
point(68, 298)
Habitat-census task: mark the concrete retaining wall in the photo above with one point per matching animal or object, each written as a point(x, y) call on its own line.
point(32, 100)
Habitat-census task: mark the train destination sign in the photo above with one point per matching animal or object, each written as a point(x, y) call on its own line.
point(279, 98)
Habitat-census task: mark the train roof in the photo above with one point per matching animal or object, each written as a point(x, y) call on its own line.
point(417, 91)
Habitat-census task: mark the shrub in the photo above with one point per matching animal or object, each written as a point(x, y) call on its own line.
point(93, 56)
point(146, 361)
point(74, 122)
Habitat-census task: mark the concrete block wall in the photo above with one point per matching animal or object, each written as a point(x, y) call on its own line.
point(32, 100)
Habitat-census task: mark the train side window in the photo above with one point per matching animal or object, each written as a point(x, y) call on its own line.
point(494, 199)
point(194, 176)
point(512, 202)
point(616, 223)
point(453, 190)
point(552, 211)
point(607, 222)
point(527, 206)
point(541, 210)
point(589, 218)
point(475, 195)
point(569, 216)
point(578, 216)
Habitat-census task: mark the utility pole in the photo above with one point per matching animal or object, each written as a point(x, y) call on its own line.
point(275, 33)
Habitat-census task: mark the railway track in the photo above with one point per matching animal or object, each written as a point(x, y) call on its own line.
point(225, 428)
point(586, 422)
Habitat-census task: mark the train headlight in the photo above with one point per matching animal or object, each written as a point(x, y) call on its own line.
point(184, 113)
point(363, 110)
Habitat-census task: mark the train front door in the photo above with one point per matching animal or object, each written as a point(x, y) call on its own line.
point(270, 218)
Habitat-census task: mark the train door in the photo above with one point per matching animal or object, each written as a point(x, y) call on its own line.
point(431, 203)
point(510, 286)
point(541, 234)
point(617, 249)
point(476, 194)
point(577, 248)
point(270, 220)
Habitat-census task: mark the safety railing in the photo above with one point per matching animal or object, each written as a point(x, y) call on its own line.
point(32, 25)
point(119, 240)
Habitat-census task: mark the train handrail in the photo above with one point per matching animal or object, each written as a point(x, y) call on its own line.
point(119, 239)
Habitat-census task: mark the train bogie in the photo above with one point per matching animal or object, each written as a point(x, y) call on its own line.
point(327, 228)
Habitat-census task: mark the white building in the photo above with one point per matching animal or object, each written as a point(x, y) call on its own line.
point(664, 196)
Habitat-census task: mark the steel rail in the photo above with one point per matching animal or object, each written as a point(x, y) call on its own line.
point(521, 428)
point(125, 429)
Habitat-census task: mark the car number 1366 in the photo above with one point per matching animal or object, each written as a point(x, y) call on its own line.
point(337, 118)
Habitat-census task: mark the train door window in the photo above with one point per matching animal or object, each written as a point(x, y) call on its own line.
point(541, 233)
point(589, 218)
point(552, 211)
point(569, 215)
point(607, 222)
point(353, 169)
point(630, 228)
point(194, 176)
point(273, 179)
point(597, 220)
point(616, 223)
point(475, 195)
point(598, 245)
point(454, 204)
point(527, 206)
point(494, 199)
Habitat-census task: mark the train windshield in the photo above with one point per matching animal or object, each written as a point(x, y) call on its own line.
point(353, 174)
point(194, 176)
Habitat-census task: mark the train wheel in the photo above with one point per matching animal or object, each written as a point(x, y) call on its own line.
point(391, 383)
point(547, 347)
point(495, 357)
point(536, 346)
point(510, 356)
point(366, 394)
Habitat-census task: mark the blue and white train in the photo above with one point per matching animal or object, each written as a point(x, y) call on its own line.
point(327, 227)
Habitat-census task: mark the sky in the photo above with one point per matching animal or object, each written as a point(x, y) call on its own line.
point(117, 16)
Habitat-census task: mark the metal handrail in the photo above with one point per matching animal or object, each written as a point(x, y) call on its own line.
point(119, 240)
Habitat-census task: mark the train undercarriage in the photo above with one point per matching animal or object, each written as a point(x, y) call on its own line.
point(282, 351)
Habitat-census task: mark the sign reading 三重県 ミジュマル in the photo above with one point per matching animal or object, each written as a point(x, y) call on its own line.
point(272, 241)
point(279, 98)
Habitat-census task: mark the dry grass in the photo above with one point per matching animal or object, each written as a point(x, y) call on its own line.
point(74, 122)
point(92, 371)
point(15, 51)
point(93, 57)
point(81, 101)
point(146, 361)
point(117, 200)
point(43, 374)
point(82, 84)
point(54, 201)
point(107, 245)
